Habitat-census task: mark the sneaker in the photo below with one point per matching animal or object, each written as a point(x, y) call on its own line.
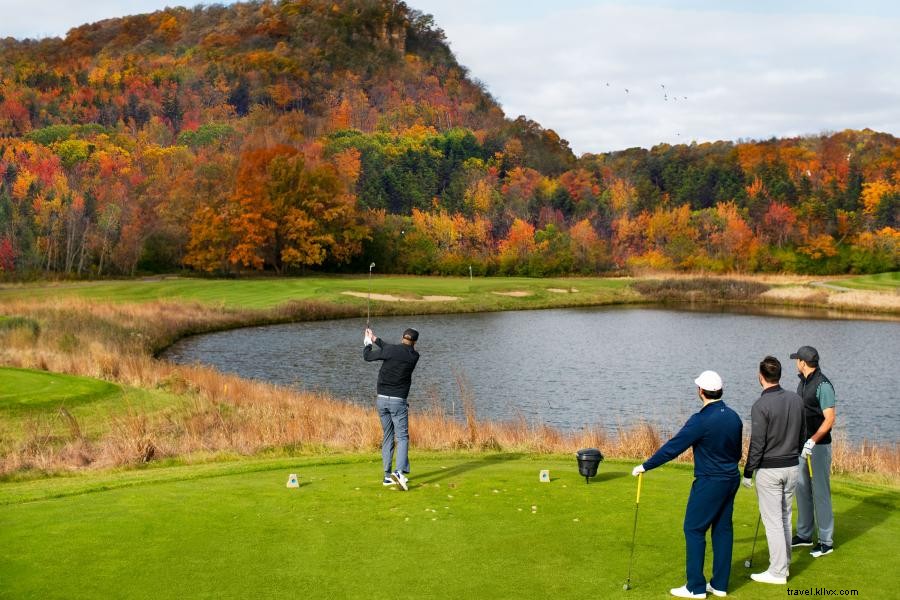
point(683, 592)
point(401, 479)
point(766, 577)
point(799, 541)
point(715, 592)
point(821, 550)
point(388, 481)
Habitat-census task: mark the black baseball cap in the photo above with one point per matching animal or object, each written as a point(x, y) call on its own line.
point(806, 354)
point(411, 334)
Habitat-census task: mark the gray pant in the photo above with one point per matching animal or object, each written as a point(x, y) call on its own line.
point(775, 491)
point(821, 514)
point(394, 415)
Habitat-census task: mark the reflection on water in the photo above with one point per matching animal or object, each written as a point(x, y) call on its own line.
point(572, 368)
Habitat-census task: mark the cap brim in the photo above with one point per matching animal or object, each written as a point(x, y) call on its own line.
point(795, 355)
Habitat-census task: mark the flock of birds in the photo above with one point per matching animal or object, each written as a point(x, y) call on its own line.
point(667, 95)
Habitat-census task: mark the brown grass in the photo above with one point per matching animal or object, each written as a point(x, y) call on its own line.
point(221, 414)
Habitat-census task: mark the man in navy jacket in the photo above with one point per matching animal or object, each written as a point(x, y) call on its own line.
point(714, 433)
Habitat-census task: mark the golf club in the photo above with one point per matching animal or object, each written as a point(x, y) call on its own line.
point(812, 494)
point(637, 503)
point(749, 562)
point(369, 296)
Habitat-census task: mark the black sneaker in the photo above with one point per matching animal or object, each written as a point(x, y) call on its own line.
point(821, 550)
point(799, 541)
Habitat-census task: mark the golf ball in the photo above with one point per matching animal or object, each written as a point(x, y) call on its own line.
point(747, 563)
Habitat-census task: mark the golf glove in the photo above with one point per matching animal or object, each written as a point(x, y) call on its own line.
point(747, 482)
point(637, 470)
point(367, 341)
point(807, 448)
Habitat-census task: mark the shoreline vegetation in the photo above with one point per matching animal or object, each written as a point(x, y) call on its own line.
point(113, 331)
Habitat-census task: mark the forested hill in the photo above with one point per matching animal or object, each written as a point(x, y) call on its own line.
point(327, 134)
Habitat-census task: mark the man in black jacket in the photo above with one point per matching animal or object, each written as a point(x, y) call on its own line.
point(777, 433)
point(394, 381)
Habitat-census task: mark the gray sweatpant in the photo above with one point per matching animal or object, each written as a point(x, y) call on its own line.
point(820, 491)
point(775, 491)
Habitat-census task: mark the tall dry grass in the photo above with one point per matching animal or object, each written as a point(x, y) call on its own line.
point(223, 414)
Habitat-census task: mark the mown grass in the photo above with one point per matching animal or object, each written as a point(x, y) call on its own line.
point(24, 390)
point(474, 294)
point(471, 526)
point(886, 282)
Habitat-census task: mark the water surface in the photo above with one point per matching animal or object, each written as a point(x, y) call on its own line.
point(572, 368)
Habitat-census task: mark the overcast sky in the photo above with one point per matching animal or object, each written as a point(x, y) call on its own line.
point(694, 70)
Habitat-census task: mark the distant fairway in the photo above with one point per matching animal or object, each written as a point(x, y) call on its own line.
point(472, 526)
point(885, 282)
point(269, 292)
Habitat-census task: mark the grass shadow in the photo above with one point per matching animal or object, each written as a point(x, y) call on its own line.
point(850, 524)
point(608, 476)
point(868, 513)
point(439, 474)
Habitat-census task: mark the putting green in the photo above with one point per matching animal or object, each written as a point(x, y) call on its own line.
point(471, 526)
point(26, 390)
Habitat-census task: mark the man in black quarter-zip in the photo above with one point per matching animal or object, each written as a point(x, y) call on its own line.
point(394, 380)
point(777, 433)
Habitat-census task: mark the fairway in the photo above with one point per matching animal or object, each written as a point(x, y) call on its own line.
point(26, 390)
point(471, 526)
point(269, 292)
point(885, 282)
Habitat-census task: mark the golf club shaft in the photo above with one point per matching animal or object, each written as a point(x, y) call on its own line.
point(755, 536)
point(812, 494)
point(637, 505)
point(369, 296)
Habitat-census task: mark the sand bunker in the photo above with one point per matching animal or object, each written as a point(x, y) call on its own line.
point(561, 290)
point(518, 294)
point(392, 298)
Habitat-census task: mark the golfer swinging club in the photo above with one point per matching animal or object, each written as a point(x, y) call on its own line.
point(394, 380)
point(715, 435)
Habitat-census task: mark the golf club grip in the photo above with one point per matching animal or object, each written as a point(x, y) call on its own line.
point(640, 480)
point(809, 467)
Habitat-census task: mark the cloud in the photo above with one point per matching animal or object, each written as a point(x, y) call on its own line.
point(745, 74)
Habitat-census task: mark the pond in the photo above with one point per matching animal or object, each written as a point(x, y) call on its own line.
point(573, 368)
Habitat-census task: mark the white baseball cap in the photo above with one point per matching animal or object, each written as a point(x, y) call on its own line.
point(709, 381)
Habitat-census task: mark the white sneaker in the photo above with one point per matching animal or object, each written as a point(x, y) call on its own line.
point(401, 479)
point(766, 577)
point(388, 481)
point(683, 592)
point(715, 592)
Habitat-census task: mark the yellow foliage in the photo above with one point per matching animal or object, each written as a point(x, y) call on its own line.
point(23, 184)
point(873, 191)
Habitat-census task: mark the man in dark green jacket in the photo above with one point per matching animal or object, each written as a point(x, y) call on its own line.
point(814, 493)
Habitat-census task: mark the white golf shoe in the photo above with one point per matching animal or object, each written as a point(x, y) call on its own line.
point(683, 592)
point(401, 479)
point(766, 577)
point(710, 589)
